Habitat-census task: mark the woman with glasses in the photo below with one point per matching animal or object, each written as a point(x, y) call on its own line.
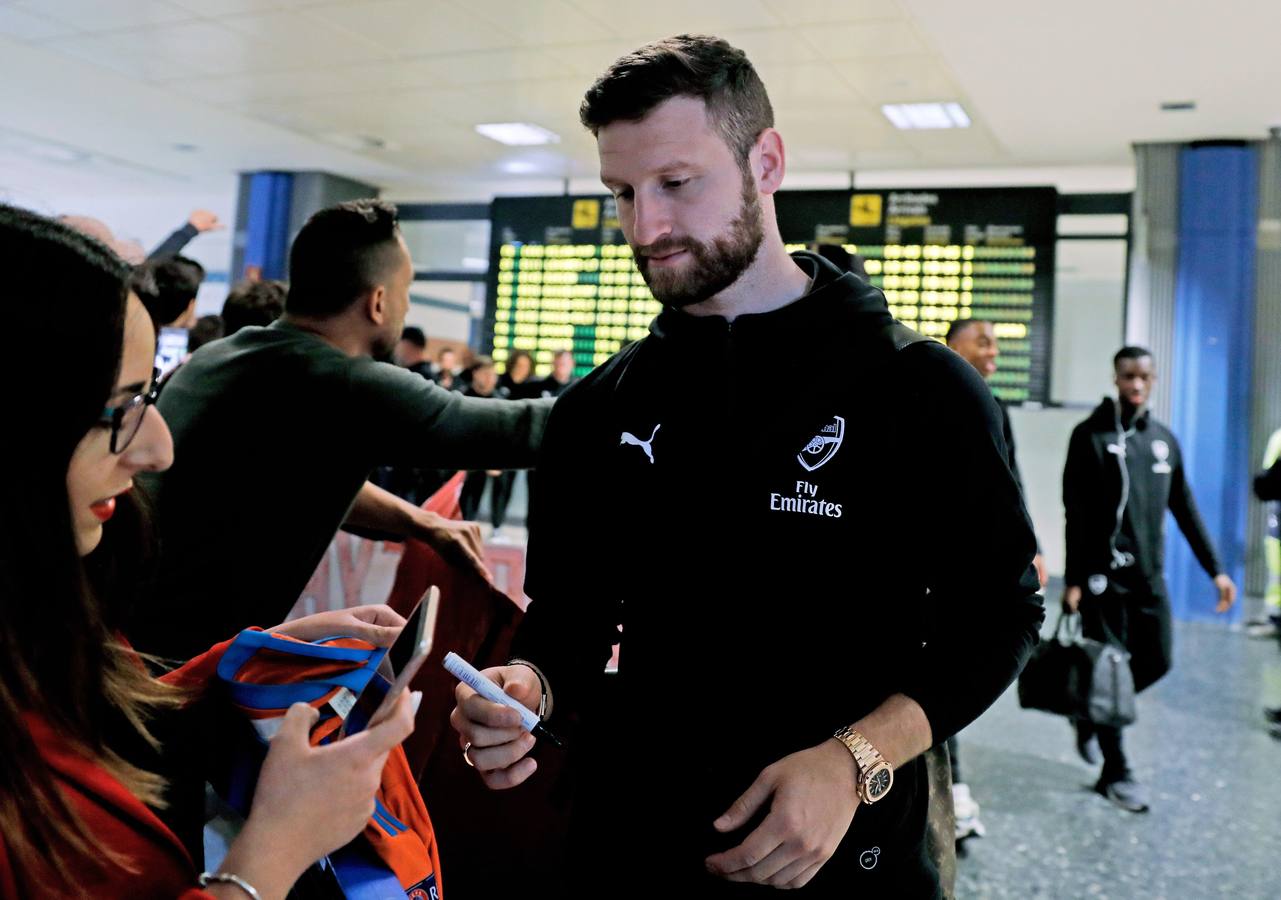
point(76, 809)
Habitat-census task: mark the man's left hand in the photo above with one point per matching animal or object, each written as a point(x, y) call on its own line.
point(456, 541)
point(376, 623)
point(812, 798)
point(1042, 575)
point(1227, 593)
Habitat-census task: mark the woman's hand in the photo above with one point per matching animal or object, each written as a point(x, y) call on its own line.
point(312, 800)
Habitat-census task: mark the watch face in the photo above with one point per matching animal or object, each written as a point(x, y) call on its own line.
point(879, 783)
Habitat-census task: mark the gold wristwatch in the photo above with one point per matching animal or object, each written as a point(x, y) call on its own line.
point(875, 775)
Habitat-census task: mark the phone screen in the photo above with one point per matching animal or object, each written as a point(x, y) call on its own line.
point(171, 347)
point(406, 656)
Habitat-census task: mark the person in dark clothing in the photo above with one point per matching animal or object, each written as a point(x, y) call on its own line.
point(445, 371)
point(168, 288)
point(278, 429)
point(485, 384)
point(254, 303)
point(974, 340)
point(1267, 484)
point(1124, 470)
point(206, 330)
point(411, 352)
point(411, 484)
point(518, 381)
point(560, 377)
point(791, 617)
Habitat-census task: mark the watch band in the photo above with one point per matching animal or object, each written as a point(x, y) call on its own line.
point(865, 755)
point(545, 701)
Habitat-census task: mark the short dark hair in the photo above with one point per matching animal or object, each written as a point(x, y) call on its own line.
point(687, 65)
point(481, 362)
point(414, 335)
point(253, 303)
point(1130, 352)
point(206, 329)
point(341, 254)
point(958, 326)
point(167, 286)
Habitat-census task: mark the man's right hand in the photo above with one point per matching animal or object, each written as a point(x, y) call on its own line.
point(499, 746)
point(1071, 598)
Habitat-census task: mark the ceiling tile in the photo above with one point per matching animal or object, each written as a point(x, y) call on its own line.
point(772, 45)
point(415, 27)
point(215, 8)
point(830, 12)
point(805, 86)
point(94, 15)
point(552, 104)
point(123, 52)
point(307, 40)
point(589, 60)
point(654, 19)
point(542, 23)
point(29, 26)
point(863, 40)
point(260, 87)
point(490, 67)
point(900, 79)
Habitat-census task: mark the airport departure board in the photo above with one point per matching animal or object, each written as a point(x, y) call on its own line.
point(562, 276)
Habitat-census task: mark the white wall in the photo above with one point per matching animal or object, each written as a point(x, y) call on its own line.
point(133, 206)
point(1089, 320)
point(446, 324)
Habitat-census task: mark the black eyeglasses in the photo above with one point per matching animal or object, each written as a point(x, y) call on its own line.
point(125, 420)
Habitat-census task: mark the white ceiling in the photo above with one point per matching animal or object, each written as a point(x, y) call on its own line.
point(121, 86)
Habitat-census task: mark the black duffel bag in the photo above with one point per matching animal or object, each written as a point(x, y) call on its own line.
point(1078, 677)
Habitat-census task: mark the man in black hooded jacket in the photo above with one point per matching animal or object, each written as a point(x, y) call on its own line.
point(1124, 469)
point(794, 603)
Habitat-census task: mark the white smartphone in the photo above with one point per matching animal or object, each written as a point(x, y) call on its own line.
point(406, 656)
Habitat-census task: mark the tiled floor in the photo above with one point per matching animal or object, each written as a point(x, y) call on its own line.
point(1201, 747)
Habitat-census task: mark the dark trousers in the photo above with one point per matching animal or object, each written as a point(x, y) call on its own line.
point(499, 495)
point(1139, 620)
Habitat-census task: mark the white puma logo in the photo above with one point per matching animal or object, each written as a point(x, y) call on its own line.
point(629, 438)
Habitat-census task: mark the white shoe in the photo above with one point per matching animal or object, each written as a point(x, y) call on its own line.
point(966, 811)
point(1261, 628)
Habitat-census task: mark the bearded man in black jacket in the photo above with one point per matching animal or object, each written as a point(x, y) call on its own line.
point(794, 603)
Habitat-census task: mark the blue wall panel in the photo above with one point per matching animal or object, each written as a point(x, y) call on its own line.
point(1211, 369)
point(267, 237)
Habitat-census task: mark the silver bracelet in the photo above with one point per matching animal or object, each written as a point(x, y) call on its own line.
point(228, 878)
point(544, 703)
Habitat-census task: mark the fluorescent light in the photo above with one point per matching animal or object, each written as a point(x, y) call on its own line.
point(518, 167)
point(926, 115)
point(518, 134)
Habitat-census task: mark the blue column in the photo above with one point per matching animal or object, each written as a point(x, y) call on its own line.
point(267, 233)
point(1211, 370)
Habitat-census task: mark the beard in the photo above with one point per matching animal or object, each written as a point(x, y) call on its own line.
point(713, 266)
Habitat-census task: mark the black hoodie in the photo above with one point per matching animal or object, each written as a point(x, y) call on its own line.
point(1115, 514)
point(779, 560)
